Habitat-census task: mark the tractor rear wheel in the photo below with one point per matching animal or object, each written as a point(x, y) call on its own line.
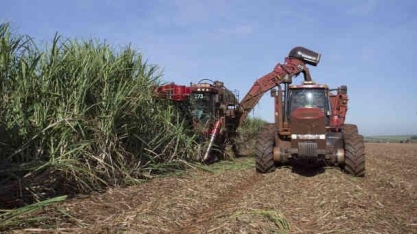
point(349, 128)
point(264, 149)
point(354, 155)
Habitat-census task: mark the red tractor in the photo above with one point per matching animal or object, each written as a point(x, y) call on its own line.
point(213, 111)
point(309, 126)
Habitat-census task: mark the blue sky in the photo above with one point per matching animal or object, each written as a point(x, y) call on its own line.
point(368, 45)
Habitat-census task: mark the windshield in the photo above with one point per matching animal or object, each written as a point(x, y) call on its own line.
point(309, 98)
point(201, 106)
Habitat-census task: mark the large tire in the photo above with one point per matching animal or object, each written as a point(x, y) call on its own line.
point(242, 146)
point(354, 155)
point(264, 149)
point(238, 150)
point(349, 129)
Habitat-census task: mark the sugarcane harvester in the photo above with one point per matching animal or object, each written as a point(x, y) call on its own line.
point(212, 111)
point(309, 126)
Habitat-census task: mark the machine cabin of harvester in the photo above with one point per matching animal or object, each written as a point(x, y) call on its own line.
point(309, 126)
point(212, 109)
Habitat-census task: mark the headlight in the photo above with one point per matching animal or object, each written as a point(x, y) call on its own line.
point(308, 136)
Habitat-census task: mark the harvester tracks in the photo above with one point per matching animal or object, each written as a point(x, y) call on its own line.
point(226, 200)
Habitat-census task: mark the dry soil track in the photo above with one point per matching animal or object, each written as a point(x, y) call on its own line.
point(232, 198)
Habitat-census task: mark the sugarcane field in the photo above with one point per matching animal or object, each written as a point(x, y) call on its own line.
point(95, 137)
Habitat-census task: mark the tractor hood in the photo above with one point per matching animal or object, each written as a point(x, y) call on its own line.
point(308, 121)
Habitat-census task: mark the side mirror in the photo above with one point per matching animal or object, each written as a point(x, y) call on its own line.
point(218, 84)
point(273, 93)
point(343, 89)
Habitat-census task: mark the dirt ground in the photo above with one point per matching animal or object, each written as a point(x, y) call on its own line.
point(230, 197)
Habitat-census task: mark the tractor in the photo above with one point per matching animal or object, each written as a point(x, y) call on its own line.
point(309, 128)
point(212, 111)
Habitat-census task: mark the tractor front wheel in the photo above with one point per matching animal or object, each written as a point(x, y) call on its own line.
point(354, 155)
point(264, 149)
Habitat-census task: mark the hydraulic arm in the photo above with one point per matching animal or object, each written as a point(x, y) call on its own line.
point(294, 64)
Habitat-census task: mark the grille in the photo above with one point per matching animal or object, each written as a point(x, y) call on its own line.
point(307, 149)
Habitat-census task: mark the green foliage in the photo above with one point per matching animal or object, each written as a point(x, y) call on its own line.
point(79, 116)
point(244, 144)
point(25, 215)
point(252, 126)
point(391, 139)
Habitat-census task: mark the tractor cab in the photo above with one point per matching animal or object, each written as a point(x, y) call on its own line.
point(203, 100)
point(308, 96)
point(202, 105)
point(211, 100)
